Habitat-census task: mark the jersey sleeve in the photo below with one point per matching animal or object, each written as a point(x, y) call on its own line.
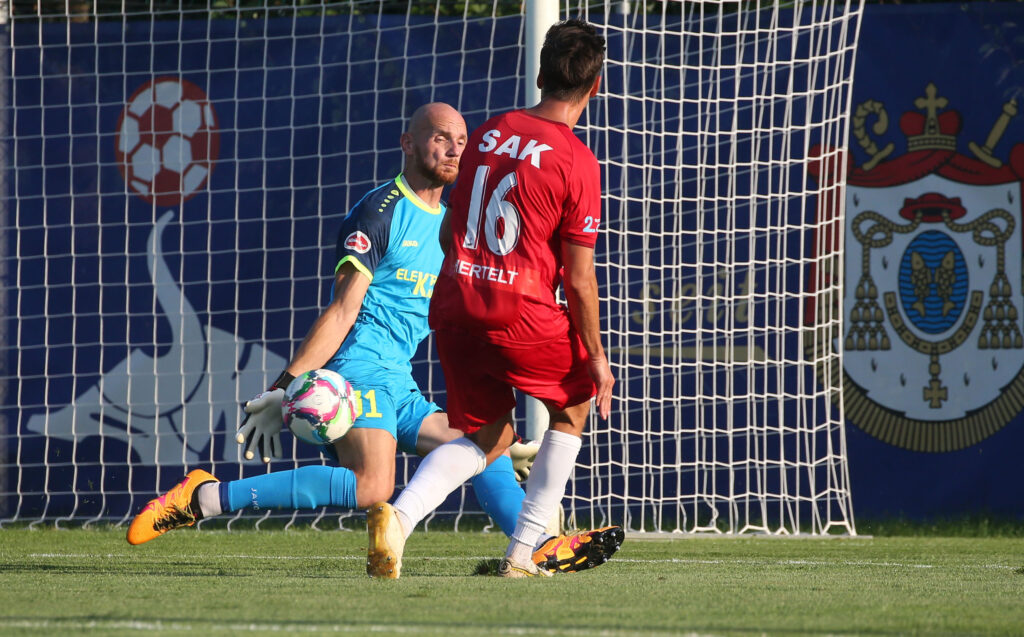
point(582, 217)
point(363, 239)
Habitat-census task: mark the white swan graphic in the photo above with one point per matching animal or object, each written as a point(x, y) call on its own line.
point(166, 408)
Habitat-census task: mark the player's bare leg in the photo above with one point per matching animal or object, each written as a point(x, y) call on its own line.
point(370, 454)
point(434, 432)
point(496, 438)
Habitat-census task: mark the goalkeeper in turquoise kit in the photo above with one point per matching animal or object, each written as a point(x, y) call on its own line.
point(388, 257)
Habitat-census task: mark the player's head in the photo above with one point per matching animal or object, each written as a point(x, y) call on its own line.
point(434, 142)
point(570, 61)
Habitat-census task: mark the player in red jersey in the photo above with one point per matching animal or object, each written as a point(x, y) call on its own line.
point(523, 219)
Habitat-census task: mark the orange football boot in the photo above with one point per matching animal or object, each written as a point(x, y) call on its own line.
point(172, 510)
point(579, 551)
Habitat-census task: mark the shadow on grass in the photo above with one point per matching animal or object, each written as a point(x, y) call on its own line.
point(488, 566)
point(155, 569)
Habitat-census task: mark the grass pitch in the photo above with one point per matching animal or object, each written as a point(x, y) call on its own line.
point(313, 582)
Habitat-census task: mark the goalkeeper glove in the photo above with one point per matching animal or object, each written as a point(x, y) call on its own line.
point(261, 429)
point(523, 453)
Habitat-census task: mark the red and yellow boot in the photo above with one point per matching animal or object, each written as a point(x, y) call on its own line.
point(580, 550)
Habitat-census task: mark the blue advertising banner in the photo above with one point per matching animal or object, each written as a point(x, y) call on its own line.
point(176, 189)
point(176, 194)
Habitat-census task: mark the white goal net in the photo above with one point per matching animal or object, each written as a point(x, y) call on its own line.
point(175, 173)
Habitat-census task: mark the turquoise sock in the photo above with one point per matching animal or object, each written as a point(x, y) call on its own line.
point(304, 488)
point(499, 494)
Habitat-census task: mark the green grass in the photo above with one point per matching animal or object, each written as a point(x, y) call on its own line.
point(959, 526)
point(264, 582)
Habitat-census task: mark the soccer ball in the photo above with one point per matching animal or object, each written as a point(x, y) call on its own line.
point(167, 141)
point(319, 406)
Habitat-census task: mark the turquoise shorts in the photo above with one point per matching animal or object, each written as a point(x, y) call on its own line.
point(386, 399)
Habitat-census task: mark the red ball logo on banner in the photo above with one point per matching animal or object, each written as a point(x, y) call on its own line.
point(167, 141)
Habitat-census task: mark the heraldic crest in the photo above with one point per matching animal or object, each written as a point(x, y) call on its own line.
point(932, 298)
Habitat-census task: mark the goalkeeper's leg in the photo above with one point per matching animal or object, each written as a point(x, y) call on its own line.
point(200, 495)
point(368, 477)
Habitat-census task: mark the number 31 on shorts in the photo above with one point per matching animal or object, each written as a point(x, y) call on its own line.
point(371, 398)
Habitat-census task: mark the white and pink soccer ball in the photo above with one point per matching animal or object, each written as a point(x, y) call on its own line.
point(319, 406)
point(167, 141)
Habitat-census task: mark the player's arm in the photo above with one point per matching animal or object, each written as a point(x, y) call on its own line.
point(261, 430)
point(362, 242)
point(580, 286)
point(333, 325)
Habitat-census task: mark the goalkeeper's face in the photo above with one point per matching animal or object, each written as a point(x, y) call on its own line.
point(434, 144)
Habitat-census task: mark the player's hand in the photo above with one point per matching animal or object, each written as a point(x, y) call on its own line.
point(261, 429)
point(601, 373)
point(523, 454)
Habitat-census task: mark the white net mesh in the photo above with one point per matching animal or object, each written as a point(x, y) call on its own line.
point(175, 180)
point(719, 285)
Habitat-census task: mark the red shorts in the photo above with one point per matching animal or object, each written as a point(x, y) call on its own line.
point(480, 376)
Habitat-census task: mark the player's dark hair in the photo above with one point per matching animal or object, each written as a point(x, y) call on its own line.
point(571, 60)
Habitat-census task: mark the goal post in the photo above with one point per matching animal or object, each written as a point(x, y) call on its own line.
point(177, 173)
point(5, 438)
point(538, 15)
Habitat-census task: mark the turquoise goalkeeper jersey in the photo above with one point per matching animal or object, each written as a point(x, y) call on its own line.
point(391, 236)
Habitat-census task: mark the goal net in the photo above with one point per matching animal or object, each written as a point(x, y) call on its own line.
point(175, 174)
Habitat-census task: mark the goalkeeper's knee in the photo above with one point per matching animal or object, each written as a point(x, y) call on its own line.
point(373, 487)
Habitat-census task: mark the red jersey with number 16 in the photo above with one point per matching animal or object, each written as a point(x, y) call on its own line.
point(526, 184)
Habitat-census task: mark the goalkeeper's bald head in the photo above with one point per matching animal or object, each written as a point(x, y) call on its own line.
point(433, 143)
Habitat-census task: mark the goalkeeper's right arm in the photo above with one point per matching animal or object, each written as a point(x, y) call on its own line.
point(333, 325)
point(261, 429)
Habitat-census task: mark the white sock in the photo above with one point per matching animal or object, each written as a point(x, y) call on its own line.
point(541, 541)
point(209, 499)
point(544, 490)
point(442, 471)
